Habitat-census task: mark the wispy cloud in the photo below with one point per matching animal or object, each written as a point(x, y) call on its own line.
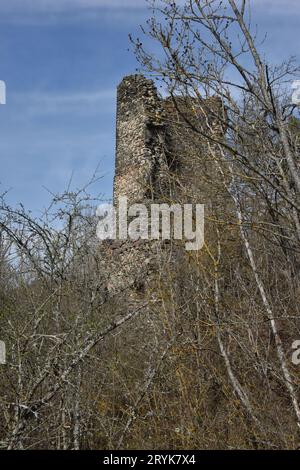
point(44, 103)
point(286, 7)
point(53, 11)
point(62, 5)
point(48, 12)
point(45, 98)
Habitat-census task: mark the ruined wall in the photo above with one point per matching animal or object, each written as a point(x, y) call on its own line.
point(162, 155)
point(190, 153)
point(162, 152)
point(140, 138)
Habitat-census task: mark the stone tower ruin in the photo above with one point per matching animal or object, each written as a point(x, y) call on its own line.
point(161, 156)
point(161, 142)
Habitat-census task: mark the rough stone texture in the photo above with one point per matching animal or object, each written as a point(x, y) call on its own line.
point(161, 145)
point(188, 122)
point(161, 155)
point(140, 139)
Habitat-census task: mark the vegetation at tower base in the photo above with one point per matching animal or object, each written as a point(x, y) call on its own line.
point(142, 344)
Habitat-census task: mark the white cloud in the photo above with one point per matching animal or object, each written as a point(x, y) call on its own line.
point(277, 6)
point(43, 103)
point(49, 11)
point(41, 12)
point(64, 5)
point(45, 98)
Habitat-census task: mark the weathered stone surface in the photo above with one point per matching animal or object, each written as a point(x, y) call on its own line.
point(140, 138)
point(161, 155)
point(161, 145)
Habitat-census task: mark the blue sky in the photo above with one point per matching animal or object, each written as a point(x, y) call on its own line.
point(61, 61)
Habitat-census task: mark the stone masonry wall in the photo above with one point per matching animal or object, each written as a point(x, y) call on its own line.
point(161, 145)
point(160, 156)
point(140, 136)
